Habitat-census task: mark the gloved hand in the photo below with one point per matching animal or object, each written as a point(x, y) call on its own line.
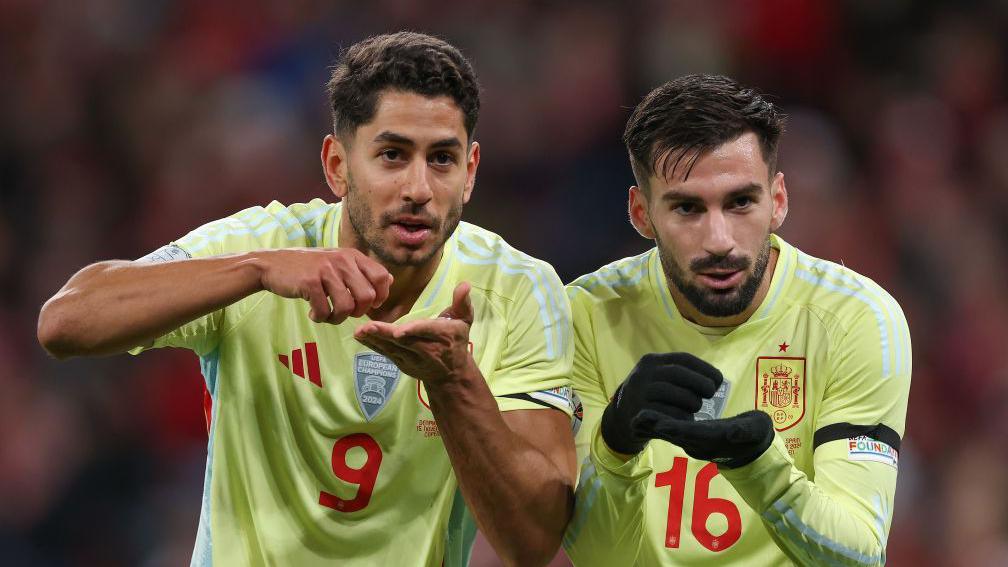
point(670, 386)
point(730, 442)
point(658, 400)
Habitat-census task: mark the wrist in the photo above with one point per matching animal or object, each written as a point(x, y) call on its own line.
point(253, 266)
point(619, 464)
point(621, 457)
point(455, 382)
point(617, 434)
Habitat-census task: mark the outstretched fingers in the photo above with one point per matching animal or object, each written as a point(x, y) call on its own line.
point(461, 307)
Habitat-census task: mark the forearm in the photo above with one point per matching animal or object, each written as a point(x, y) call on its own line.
point(519, 497)
point(110, 307)
point(841, 519)
point(608, 523)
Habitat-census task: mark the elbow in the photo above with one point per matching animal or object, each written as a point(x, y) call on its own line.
point(66, 324)
point(527, 553)
point(526, 557)
point(540, 544)
point(54, 330)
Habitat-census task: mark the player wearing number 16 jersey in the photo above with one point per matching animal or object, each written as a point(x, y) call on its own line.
point(743, 401)
point(380, 376)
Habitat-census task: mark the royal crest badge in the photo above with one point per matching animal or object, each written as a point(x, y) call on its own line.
point(780, 389)
point(375, 378)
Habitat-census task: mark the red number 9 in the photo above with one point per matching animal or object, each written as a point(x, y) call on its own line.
point(364, 477)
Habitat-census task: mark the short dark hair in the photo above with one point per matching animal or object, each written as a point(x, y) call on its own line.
point(679, 121)
point(406, 61)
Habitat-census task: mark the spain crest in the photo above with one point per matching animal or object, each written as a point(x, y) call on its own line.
point(375, 377)
point(780, 389)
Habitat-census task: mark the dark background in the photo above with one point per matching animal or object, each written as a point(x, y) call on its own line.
point(124, 124)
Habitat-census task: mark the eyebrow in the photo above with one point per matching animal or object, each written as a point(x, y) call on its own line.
point(747, 189)
point(392, 137)
point(676, 195)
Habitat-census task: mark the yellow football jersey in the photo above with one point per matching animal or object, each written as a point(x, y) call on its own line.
point(826, 355)
point(320, 450)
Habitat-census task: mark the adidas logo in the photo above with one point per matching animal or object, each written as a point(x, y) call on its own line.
point(297, 363)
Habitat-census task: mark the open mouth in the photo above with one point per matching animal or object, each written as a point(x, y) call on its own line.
point(411, 226)
point(411, 232)
point(721, 280)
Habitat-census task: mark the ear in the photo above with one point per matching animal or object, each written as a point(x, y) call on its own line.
point(334, 165)
point(779, 199)
point(640, 218)
point(472, 163)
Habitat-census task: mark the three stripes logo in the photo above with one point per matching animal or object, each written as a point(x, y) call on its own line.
point(299, 363)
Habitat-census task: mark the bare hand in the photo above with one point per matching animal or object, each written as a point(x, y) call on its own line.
point(433, 350)
point(336, 282)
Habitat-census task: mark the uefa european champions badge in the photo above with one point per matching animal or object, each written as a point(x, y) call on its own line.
point(713, 407)
point(375, 378)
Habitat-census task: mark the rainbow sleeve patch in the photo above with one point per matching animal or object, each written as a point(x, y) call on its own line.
point(867, 449)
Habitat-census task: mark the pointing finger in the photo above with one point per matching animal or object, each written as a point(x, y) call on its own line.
point(378, 276)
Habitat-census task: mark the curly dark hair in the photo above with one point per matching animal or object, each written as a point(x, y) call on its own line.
point(681, 120)
point(406, 61)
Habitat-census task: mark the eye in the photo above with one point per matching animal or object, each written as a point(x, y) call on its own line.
point(442, 158)
point(391, 154)
point(742, 202)
point(685, 208)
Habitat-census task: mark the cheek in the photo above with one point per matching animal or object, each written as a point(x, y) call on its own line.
point(378, 184)
point(678, 243)
point(751, 237)
point(681, 236)
point(450, 188)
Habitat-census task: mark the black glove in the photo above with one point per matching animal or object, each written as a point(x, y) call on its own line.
point(668, 385)
point(730, 442)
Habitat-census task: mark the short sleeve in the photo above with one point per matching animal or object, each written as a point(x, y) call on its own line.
point(585, 374)
point(255, 228)
point(869, 375)
point(534, 368)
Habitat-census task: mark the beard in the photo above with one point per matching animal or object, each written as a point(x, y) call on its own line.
point(715, 302)
point(371, 230)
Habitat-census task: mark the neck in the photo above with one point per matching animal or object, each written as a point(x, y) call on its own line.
point(407, 285)
point(408, 281)
point(692, 314)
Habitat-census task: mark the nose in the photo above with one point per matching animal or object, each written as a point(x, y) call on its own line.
point(417, 187)
point(717, 238)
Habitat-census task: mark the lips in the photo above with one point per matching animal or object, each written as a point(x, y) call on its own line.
point(721, 279)
point(411, 231)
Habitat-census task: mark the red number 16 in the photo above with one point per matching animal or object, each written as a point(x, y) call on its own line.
point(703, 507)
point(364, 477)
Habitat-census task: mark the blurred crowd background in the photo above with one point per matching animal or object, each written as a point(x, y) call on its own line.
point(126, 123)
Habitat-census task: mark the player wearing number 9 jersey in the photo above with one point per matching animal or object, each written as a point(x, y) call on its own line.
point(770, 435)
point(321, 447)
point(380, 376)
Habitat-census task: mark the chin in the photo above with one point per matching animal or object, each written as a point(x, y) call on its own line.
point(407, 257)
point(721, 303)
